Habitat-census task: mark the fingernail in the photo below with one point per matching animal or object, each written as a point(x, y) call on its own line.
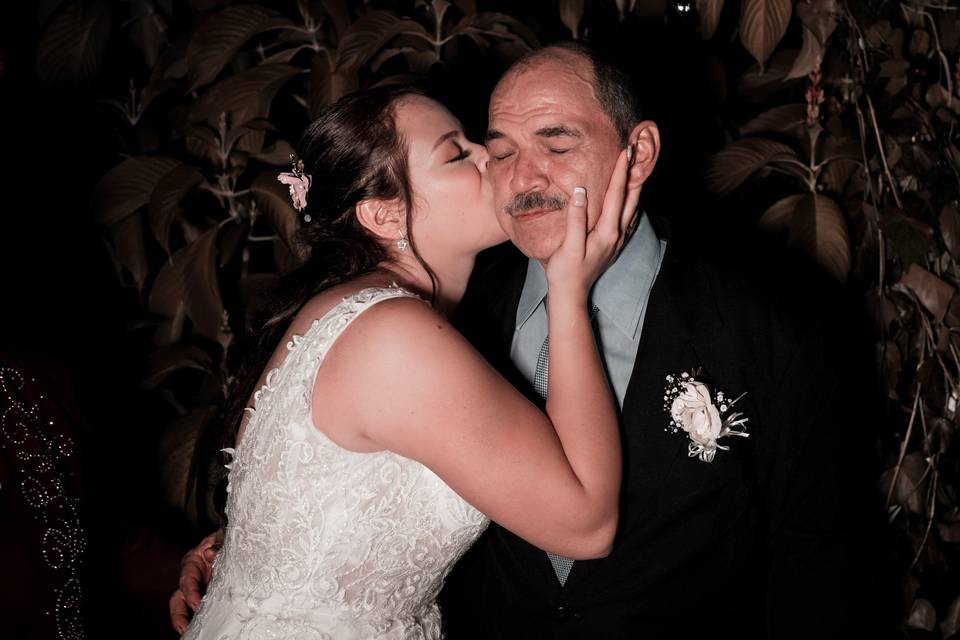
point(579, 196)
point(629, 153)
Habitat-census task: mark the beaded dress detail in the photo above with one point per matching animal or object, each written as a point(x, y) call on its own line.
point(323, 542)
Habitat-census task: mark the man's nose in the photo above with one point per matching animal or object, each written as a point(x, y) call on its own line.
point(528, 175)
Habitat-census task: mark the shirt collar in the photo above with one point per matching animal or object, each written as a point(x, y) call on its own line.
point(616, 291)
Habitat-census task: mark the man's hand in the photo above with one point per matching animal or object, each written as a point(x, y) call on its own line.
point(196, 568)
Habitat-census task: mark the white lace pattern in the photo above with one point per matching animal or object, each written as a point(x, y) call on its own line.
point(323, 542)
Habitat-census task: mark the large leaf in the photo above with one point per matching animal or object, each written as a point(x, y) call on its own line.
point(819, 228)
point(950, 229)
point(786, 118)
point(172, 64)
point(244, 97)
point(72, 47)
point(165, 361)
point(834, 149)
point(933, 293)
point(204, 143)
point(148, 30)
point(896, 71)
point(391, 52)
point(365, 37)
point(819, 17)
point(338, 17)
point(175, 455)
point(490, 24)
point(187, 284)
point(922, 615)
point(759, 82)
point(326, 86)
point(278, 154)
point(128, 186)
point(201, 292)
point(779, 215)
point(466, 6)
point(762, 25)
point(126, 238)
point(709, 11)
point(835, 175)
point(571, 13)
point(910, 483)
point(951, 621)
point(910, 238)
point(219, 38)
point(741, 158)
point(811, 53)
point(166, 295)
point(165, 201)
point(233, 240)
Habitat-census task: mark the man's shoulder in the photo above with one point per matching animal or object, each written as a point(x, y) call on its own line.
point(771, 305)
point(747, 286)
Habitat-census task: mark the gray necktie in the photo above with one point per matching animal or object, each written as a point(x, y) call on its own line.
point(561, 565)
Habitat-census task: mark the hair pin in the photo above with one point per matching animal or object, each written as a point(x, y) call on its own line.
point(298, 183)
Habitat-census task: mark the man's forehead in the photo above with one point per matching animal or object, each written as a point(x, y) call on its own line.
point(532, 99)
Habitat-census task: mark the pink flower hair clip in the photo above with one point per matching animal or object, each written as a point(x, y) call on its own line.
point(299, 183)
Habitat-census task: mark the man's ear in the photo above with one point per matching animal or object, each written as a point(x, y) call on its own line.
point(383, 218)
point(645, 139)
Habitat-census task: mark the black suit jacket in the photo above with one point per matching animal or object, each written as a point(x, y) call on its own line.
point(758, 543)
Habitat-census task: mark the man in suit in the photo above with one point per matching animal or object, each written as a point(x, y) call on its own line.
point(759, 541)
point(755, 542)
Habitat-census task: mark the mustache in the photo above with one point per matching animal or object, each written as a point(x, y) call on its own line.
point(534, 200)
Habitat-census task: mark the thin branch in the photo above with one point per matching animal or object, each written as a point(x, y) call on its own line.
point(883, 153)
point(906, 439)
point(931, 510)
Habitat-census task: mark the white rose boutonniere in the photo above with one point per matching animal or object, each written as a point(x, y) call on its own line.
point(689, 405)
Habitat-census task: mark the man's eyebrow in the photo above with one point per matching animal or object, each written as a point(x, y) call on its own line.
point(448, 135)
point(557, 131)
point(492, 134)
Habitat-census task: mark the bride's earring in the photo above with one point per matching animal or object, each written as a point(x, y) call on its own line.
point(402, 243)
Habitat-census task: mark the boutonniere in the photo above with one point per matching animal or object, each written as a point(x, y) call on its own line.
point(688, 403)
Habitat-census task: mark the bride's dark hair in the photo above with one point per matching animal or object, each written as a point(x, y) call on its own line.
point(354, 152)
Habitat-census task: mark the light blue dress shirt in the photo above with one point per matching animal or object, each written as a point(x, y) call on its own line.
point(620, 294)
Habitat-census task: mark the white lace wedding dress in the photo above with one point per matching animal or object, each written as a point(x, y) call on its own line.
point(323, 542)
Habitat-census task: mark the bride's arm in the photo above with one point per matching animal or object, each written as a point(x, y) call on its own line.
point(402, 377)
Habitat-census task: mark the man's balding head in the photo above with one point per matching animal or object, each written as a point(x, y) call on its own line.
point(612, 88)
point(559, 119)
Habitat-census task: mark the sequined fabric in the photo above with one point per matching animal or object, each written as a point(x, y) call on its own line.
point(37, 457)
point(323, 542)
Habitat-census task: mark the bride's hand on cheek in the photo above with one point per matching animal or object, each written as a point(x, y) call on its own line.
point(583, 255)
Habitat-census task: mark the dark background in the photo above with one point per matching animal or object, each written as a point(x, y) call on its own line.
point(67, 316)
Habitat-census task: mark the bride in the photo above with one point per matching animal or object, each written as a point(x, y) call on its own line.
point(370, 442)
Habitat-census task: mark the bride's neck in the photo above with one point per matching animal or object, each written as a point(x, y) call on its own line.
point(451, 280)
